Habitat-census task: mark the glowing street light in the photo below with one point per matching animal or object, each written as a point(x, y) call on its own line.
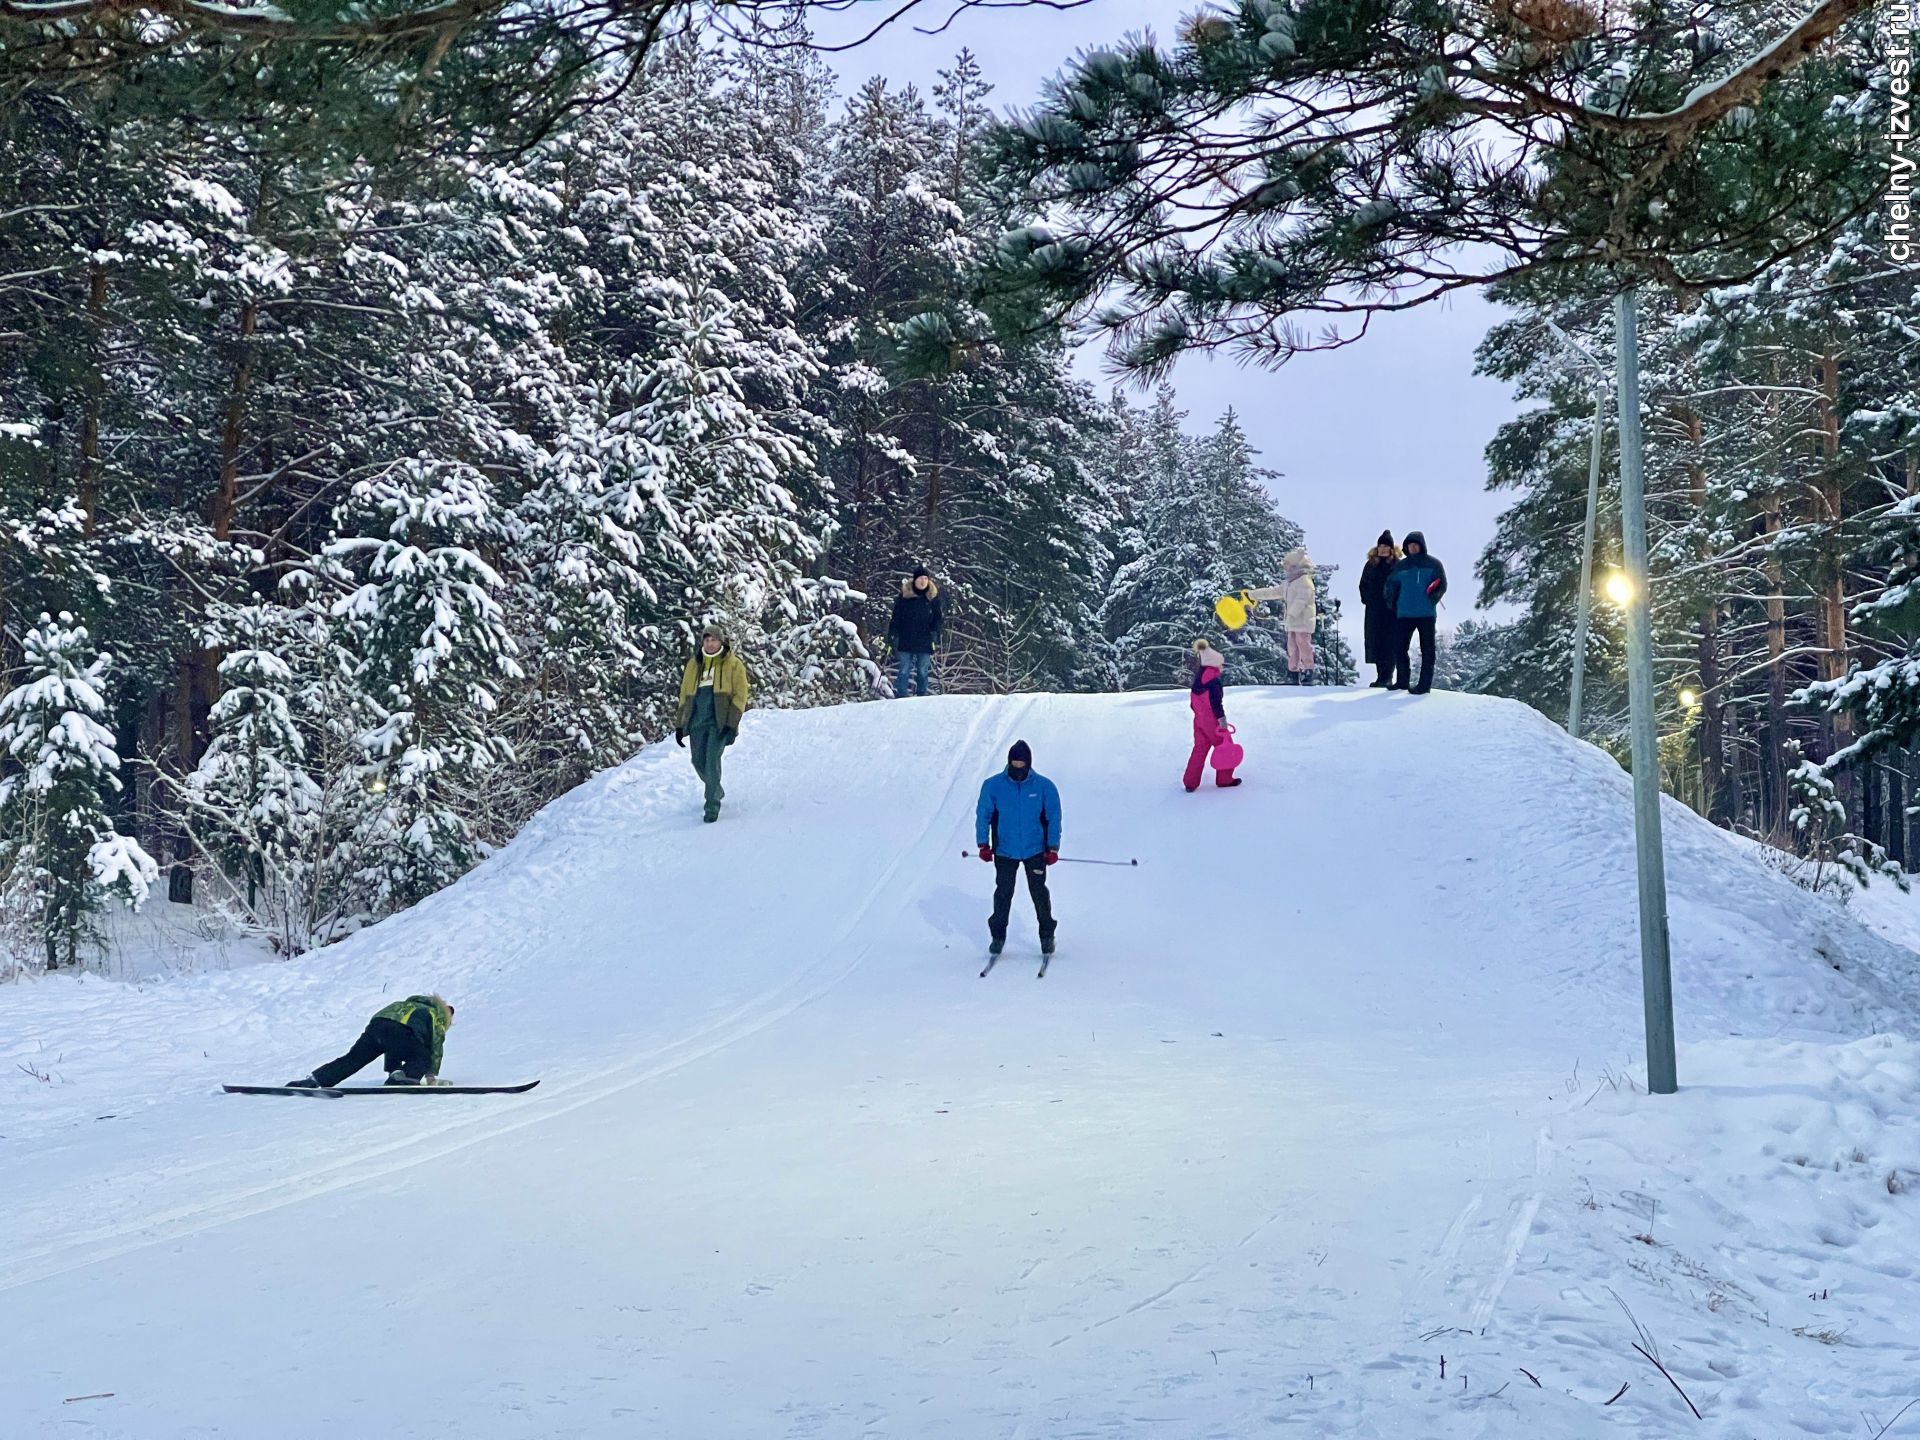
point(1689, 699)
point(1619, 588)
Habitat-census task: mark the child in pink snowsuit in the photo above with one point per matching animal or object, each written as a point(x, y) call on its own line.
point(1209, 715)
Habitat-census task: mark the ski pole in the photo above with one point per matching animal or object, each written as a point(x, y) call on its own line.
point(1066, 860)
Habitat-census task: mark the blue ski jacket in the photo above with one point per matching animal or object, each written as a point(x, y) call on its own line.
point(1415, 584)
point(1019, 818)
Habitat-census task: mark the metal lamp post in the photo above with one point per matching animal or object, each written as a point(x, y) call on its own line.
point(1656, 967)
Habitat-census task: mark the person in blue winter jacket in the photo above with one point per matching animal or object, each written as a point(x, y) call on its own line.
point(1017, 827)
point(1414, 587)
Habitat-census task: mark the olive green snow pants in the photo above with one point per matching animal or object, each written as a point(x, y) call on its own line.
point(708, 746)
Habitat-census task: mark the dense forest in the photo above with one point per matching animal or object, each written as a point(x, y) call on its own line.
point(1782, 480)
point(360, 492)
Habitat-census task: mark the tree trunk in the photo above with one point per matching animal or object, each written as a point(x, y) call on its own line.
point(1715, 795)
point(1773, 771)
point(1831, 602)
point(96, 396)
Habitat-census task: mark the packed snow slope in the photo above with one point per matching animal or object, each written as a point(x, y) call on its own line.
point(1325, 1120)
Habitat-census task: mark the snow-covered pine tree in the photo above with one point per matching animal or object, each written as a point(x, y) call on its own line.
point(61, 858)
point(423, 616)
point(1203, 525)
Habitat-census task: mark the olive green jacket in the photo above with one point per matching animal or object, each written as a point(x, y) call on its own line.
point(729, 689)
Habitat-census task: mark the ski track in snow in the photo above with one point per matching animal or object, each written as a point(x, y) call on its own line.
point(1336, 1083)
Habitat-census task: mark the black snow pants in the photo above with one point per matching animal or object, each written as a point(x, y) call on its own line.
point(1005, 872)
point(1403, 652)
point(401, 1044)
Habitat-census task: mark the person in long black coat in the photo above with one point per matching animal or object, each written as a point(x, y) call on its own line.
point(1380, 622)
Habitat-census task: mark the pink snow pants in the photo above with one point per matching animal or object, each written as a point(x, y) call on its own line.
point(1299, 650)
point(1206, 735)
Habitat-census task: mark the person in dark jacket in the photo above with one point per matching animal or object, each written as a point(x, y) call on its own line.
point(1414, 588)
point(1017, 827)
point(409, 1035)
point(1382, 626)
point(914, 632)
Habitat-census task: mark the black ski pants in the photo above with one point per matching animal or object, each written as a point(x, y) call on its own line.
point(400, 1044)
point(1005, 872)
point(1403, 651)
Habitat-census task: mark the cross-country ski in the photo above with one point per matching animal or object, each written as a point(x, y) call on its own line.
point(338, 1090)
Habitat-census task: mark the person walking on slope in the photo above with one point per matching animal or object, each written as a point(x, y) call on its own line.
point(1297, 612)
point(1414, 589)
point(408, 1034)
point(1382, 627)
point(713, 697)
point(1209, 715)
point(1017, 827)
point(914, 632)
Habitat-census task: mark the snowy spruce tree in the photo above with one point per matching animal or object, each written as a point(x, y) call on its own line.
point(425, 621)
point(61, 859)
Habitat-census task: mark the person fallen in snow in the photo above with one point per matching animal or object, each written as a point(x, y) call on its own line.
point(713, 697)
point(1209, 715)
point(408, 1035)
point(1017, 827)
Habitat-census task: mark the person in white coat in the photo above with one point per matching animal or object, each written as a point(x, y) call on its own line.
point(1298, 612)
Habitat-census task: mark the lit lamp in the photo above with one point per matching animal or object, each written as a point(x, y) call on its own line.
point(1689, 699)
point(1619, 588)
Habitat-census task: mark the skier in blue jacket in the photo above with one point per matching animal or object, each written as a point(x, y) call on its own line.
point(1017, 827)
point(1414, 587)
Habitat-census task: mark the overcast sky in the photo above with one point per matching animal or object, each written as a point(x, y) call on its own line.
point(1387, 433)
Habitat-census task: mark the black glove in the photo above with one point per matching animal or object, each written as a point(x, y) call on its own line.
point(680, 738)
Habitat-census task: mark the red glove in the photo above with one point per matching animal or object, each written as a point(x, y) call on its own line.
point(986, 853)
point(1433, 587)
point(1053, 857)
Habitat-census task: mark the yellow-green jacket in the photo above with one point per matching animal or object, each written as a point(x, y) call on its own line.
point(729, 689)
point(427, 1018)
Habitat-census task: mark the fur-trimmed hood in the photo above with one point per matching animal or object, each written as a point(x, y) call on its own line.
point(907, 592)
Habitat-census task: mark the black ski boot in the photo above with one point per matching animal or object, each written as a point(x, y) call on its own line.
point(999, 944)
point(1046, 944)
point(400, 1077)
point(309, 1083)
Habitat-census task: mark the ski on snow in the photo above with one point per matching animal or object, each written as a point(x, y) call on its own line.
point(993, 960)
point(337, 1091)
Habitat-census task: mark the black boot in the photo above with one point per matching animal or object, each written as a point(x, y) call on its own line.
point(999, 944)
point(400, 1077)
point(309, 1083)
point(1046, 944)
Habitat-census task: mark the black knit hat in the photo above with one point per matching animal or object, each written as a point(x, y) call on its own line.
point(1021, 753)
point(1386, 538)
point(919, 571)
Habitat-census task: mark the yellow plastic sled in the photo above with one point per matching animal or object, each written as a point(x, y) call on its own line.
point(1233, 611)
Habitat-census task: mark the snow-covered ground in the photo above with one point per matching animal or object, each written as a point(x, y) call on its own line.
point(1326, 1119)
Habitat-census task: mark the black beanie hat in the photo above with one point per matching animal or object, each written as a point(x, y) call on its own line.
point(920, 570)
point(1021, 753)
point(1386, 538)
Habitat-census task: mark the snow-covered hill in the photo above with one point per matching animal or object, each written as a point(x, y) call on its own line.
point(1337, 1082)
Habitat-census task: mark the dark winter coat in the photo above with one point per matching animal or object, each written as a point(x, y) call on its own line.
point(1018, 818)
point(1379, 611)
point(917, 620)
point(1417, 582)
